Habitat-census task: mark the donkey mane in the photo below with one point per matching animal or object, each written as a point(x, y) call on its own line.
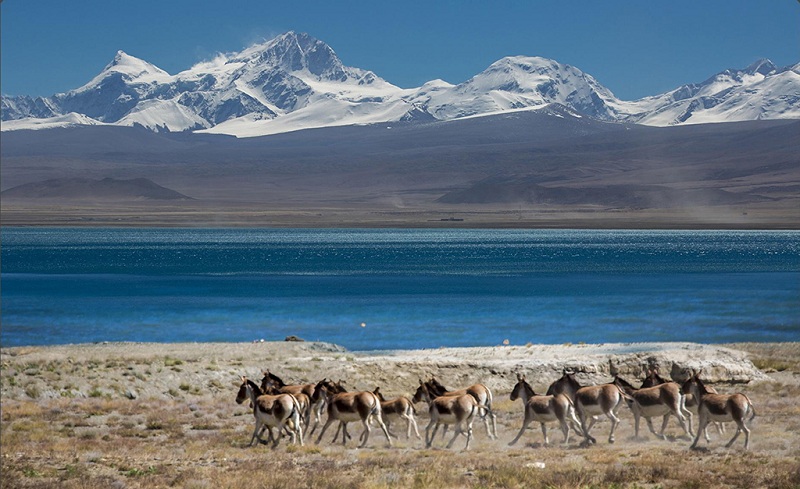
point(567, 378)
point(436, 388)
point(274, 378)
point(624, 384)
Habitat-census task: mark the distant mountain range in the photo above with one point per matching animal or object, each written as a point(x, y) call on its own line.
point(296, 82)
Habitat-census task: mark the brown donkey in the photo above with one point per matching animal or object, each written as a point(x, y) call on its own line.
point(398, 408)
point(720, 408)
point(543, 409)
point(351, 406)
point(480, 392)
point(660, 400)
point(590, 401)
point(271, 383)
point(458, 410)
point(279, 411)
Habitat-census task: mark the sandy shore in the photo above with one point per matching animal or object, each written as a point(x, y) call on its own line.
point(221, 214)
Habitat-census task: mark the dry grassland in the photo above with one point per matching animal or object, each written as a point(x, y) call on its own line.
point(90, 422)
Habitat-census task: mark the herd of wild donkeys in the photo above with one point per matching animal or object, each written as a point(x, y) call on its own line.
point(293, 408)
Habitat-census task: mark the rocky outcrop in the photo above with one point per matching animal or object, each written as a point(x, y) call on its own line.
point(497, 366)
point(160, 370)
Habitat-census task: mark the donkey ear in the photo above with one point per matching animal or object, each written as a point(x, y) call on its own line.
point(612, 369)
point(244, 379)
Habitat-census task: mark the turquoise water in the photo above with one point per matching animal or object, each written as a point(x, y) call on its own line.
point(410, 288)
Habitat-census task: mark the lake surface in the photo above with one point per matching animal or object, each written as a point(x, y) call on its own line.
point(390, 289)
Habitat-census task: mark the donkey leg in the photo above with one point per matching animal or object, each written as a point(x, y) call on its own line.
point(686, 424)
point(739, 428)
point(544, 432)
point(746, 436)
point(614, 423)
point(457, 431)
point(324, 428)
point(384, 428)
point(702, 424)
point(469, 434)
point(429, 440)
point(587, 438)
point(565, 430)
point(365, 433)
point(488, 428)
point(493, 417)
point(664, 422)
point(277, 440)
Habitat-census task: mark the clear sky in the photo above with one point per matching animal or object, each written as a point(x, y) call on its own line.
point(633, 47)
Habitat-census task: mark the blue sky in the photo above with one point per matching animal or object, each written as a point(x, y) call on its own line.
point(635, 48)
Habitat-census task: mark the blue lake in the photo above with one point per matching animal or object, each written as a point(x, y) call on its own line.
point(409, 288)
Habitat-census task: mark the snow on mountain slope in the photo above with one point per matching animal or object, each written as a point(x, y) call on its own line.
point(167, 114)
point(760, 91)
point(514, 83)
point(25, 106)
point(66, 120)
point(326, 112)
point(295, 82)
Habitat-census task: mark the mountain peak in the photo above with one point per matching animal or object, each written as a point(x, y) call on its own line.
point(763, 67)
point(132, 66)
point(292, 52)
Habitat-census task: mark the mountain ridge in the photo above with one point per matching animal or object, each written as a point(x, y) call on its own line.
point(295, 82)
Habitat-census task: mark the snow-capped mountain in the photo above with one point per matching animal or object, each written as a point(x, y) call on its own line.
point(760, 91)
point(517, 82)
point(294, 78)
point(297, 82)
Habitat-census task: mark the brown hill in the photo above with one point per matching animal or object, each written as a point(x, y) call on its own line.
point(82, 189)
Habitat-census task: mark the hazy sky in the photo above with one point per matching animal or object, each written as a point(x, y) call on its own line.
point(635, 48)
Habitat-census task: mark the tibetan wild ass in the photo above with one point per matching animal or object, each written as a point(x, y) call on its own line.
point(721, 408)
point(543, 409)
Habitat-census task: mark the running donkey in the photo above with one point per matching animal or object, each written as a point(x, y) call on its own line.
point(458, 410)
point(543, 409)
point(720, 407)
point(271, 411)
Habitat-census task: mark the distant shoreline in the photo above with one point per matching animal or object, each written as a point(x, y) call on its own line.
point(333, 347)
point(203, 216)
